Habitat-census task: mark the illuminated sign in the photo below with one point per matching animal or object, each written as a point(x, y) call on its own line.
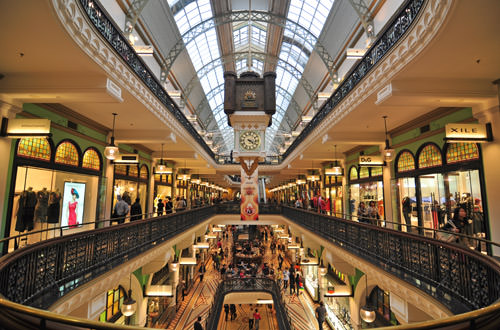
point(371, 160)
point(18, 128)
point(468, 132)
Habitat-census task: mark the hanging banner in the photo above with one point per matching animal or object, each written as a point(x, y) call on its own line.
point(249, 195)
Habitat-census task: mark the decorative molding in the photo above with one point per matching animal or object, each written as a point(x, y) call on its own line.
point(428, 24)
point(77, 24)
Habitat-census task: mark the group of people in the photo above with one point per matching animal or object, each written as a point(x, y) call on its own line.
point(318, 203)
point(167, 206)
point(124, 205)
point(369, 214)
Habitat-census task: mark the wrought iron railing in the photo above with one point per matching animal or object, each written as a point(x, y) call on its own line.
point(460, 278)
point(394, 31)
point(39, 274)
point(235, 208)
point(248, 285)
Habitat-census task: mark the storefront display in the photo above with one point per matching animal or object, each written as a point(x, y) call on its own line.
point(310, 273)
point(336, 290)
point(131, 183)
point(48, 194)
point(334, 192)
point(365, 186)
point(441, 186)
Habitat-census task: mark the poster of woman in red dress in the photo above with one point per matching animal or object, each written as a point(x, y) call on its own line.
point(73, 204)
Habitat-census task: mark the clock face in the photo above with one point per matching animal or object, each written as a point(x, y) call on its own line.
point(249, 140)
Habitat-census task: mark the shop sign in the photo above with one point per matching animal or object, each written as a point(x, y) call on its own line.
point(371, 160)
point(127, 159)
point(18, 128)
point(468, 132)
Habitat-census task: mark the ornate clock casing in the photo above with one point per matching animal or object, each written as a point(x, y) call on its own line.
point(249, 140)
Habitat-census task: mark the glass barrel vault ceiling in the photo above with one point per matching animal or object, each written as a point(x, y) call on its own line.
point(251, 37)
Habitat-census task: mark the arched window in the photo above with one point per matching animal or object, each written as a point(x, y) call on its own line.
point(377, 171)
point(144, 173)
point(67, 154)
point(461, 152)
point(91, 160)
point(35, 148)
point(114, 301)
point(363, 172)
point(353, 173)
point(133, 171)
point(121, 169)
point(429, 156)
point(406, 162)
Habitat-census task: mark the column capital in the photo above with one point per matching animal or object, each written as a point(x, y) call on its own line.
point(9, 110)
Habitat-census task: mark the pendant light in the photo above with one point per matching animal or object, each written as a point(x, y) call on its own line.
point(367, 312)
point(111, 151)
point(388, 153)
point(162, 168)
point(335, 170)
point(129, 306)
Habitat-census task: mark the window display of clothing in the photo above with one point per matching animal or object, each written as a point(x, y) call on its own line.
point(26, 210)
point(72, 213)
point(54, 207)
point(42, 205)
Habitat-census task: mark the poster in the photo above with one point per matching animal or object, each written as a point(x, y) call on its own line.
point(73, 204)
point(249, 195)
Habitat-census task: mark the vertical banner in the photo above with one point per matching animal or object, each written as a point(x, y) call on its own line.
point(249, 195)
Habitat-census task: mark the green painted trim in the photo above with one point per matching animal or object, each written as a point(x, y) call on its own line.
point(143, 279)
point(354, 280)
point(7, 188)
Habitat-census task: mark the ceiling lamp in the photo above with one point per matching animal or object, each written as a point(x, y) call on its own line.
point(367, 312)
point(306, 119)
point(388, 153)
point(129, 305)
point(196, 181)
point(162, 168)
point(300, 181)
point(335, 170)
point(111, 151)
point(184, 177)
point(355, 53)
point(313, 177)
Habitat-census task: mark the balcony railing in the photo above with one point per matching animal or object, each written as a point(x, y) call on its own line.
point(39, 274)
point(248, 285)
point(394, 31)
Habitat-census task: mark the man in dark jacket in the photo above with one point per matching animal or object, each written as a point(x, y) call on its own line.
point(136, 210)
point(197, 324)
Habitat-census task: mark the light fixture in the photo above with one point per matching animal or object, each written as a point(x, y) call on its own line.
point(111, 151)
point(322, 269)
point(367, 312)
point(143, 50)
point(264, 301)
point(196, 181)
point(25, 128)
point(129, 305)
point(335, 170)
point(306, 119)
point(355, 53)
point(388, 153)
point(162, 168)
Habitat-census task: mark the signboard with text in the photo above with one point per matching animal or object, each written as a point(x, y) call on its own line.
point(376, 160)
point(249, 195)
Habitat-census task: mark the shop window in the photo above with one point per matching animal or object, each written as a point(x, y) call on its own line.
point(114, 301)
point(144, 172)
point(67, 154)
point(133, 171)
point(377, 171)
point(430, 156)
point(35, 148)
point(353, 173)
point(91, 160)
point(460, 152)
point(120, 169)
point(406, 162)
point(364, 173)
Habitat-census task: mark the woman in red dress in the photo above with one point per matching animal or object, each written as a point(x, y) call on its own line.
point(72, 208)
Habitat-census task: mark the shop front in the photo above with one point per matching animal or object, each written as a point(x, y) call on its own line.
point(366, 188)
point(432, 184)
point(131, 182)
point(309, 267)
point(336, 290)
point(334, 191)
point(162, 190)
point(53, 186)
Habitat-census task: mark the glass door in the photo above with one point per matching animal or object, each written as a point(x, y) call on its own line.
point(432, 201)
point(408, 202)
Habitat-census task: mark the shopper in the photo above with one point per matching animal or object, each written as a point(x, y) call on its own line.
point(232, 309)
point(226, 310)
point(257, 318)
point(197, 324)
point(321, 314)
point(136, 210)
point(121, 209)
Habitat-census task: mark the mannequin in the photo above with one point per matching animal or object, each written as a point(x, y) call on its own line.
point(42, 204)
point(73, 208)
point(26, 210)
point(54, 207)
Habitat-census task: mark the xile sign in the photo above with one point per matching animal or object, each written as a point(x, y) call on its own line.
point(365, 160)
point(467, 132)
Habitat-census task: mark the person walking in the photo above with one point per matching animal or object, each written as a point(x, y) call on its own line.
point(232, 309)
point(321, 314)
point(121, 209)
point(297, 283)
point(226, 310)
point(197, 324)
point(257, 318)
point(250, 323)
point(136, 210)
point(286, 277)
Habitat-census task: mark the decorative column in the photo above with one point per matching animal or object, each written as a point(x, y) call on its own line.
point(8, 111)
point(388, 198)
point(151, 197)
point(109, 175)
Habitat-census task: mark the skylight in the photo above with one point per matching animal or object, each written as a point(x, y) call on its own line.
point(203, 50)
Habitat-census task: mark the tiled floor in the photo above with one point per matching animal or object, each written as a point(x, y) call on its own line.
point(199, 300)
